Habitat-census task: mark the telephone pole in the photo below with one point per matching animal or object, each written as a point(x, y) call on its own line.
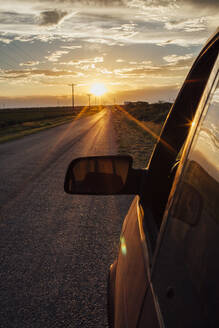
point(72, 95)
point(89, 95)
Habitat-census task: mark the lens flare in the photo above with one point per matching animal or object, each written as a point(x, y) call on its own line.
point(123, 245)
point(98, 89)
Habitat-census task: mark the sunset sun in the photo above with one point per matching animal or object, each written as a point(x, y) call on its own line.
point(98, 89)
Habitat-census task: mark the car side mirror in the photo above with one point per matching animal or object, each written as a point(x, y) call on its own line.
point(102, 175)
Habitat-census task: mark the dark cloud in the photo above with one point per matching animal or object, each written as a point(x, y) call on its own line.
point(98, 3)
point(51, 17)
point(152, 3)
point(104, 3)
point(100, 16)
point(199, 3)
point(7, 17)
point(202, 3)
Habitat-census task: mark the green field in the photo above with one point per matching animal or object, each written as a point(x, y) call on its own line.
point(16, 123)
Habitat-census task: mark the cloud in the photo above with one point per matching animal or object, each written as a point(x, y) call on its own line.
point(105, 71)
point(124, 31)
point(173, 3)
point(54, 57)
point(175, 59)
point(150, 3)
point(107, 23)
point(97, 3)
point(51, 17)
point(17, 18)
point(84, 61)
point(71, 47)
point(202, 3)
point(24, 38)
point(104, 41)
point(190, 25)
point(30, 63)
point(176, 16)
point(176, 66)
point(94, 27)
point(11, 74)
point(89, 65)
point(157, 71)
point(5, 40)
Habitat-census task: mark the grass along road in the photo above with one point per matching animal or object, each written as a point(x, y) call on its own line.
point(132, 139)
point(17, 123)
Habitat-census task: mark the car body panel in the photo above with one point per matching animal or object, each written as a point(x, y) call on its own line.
point(153, 279)
point(131, 275)
point(110, 293)
point(150, 314)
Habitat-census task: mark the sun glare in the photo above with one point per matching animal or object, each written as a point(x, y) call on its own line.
point(98, 89)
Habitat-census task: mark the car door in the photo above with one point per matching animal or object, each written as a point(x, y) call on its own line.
point(137, 303)
point(132, 270)
point(186, 268)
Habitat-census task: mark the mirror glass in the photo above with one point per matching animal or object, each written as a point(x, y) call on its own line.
point(97, 175)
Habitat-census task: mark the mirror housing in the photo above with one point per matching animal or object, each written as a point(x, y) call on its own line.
point(103, 175)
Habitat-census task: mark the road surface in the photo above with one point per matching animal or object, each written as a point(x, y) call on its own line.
point(55, 249)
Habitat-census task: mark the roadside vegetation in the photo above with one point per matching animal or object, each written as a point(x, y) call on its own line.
point(144, 111)
point(135, 139)
point(16, 123)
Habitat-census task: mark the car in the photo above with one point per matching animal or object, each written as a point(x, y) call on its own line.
point(167, 270)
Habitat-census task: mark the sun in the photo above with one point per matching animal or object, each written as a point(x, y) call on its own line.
point(98, 89)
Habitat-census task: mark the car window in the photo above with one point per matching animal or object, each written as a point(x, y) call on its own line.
point(198, 193)
point(185, 269)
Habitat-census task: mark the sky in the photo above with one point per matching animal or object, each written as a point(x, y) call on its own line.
point(139, 49)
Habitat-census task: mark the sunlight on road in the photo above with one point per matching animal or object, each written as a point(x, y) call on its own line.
point(69, 127)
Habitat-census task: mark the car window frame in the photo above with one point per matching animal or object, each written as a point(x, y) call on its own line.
point(199, 116)
point(170, 143)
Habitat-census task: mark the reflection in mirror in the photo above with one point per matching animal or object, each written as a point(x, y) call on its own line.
point(98, 175)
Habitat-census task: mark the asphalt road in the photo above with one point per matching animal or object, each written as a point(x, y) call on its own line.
point(55, 249)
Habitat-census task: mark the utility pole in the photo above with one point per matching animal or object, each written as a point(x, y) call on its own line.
point(89, 95)
point(72, 95)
